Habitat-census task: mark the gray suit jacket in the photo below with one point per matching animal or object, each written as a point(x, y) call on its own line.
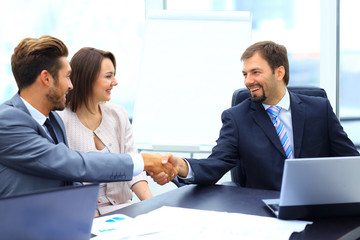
point(30, 161)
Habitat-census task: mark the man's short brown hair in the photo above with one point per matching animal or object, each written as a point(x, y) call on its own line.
point(33, 55)
point(275, 54)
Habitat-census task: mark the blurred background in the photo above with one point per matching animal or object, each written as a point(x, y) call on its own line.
point(305, 27)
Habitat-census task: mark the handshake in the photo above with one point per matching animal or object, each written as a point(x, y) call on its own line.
point(164, 168)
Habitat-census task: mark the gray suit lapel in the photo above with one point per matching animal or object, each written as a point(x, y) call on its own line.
point(19, 104)
point(298, 121)
point(263, 120)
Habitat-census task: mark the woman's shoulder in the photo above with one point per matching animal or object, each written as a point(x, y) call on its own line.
point(66, 113)
point(68, 117)
point(114, 112)
point(113, 108)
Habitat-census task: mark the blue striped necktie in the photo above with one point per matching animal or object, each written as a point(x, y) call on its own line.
point(280, 130)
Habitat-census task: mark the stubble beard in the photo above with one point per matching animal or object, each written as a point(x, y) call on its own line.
point(55, 99)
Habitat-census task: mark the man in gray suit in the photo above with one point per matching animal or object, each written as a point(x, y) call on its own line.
point(33, 148)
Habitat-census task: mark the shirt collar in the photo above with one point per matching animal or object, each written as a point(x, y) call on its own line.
point(38, 116)
point(284, 102)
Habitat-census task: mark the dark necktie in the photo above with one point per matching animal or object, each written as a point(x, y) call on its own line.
point(50, 128)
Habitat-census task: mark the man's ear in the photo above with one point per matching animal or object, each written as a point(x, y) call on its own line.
point(45, 77)
point(280, 73)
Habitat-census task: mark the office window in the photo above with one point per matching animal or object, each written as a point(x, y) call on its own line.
point(350, 69)
point(112, 25)
point(289, 22)
point(117, 26)
point(349, 58)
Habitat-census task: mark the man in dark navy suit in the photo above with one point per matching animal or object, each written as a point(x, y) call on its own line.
point(249, 132)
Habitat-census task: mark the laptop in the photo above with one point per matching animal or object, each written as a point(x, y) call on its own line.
point(318, 187)
point(57, 214)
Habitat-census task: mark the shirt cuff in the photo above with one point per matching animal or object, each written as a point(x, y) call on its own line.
point(190, 176)
point(138, 163)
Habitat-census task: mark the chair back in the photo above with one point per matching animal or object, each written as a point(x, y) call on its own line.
point(241, 94)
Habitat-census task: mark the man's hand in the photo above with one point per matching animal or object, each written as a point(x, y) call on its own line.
point(180, 166)
point(158, 165)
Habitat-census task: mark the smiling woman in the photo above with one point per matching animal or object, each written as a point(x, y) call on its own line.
point(94, 124)
point(105, 81)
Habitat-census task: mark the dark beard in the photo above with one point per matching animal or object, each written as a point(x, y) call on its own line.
point(55, 100)
point(260, 99)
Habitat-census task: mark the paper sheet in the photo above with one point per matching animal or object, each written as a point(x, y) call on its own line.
point(182, 223)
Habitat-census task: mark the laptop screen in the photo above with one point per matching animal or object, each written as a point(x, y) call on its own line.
point(318, 187)
point(62, 213)
point(331, 180)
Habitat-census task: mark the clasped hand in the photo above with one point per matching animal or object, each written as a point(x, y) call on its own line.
point(162, 168)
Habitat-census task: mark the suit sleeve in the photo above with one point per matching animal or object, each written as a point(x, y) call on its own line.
point(340, 144)
point(24, 149)
point(224, 156)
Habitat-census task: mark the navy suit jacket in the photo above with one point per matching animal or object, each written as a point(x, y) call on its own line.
point(248, 138)
point(30, 161)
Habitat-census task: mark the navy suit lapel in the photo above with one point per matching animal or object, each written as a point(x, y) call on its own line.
point(264, 122)
point(59, 131)
point(298, 121)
